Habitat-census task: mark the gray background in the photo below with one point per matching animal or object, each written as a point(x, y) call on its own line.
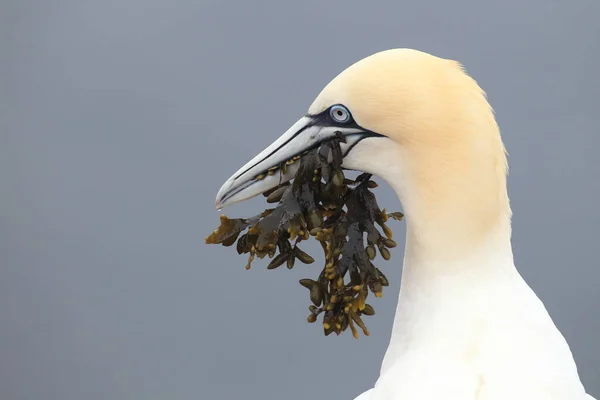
point(121, 119)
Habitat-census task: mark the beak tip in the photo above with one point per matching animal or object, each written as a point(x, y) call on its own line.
point(220, 200)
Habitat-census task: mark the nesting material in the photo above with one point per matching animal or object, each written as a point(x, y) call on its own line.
point(322, 204)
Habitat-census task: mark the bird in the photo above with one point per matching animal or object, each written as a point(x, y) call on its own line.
point(467, 326)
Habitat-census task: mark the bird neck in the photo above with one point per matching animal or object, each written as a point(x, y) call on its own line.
point(457, 250)
point(458, 228)
point(448, 280)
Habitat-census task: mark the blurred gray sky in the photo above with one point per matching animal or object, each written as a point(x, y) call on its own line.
point(119, 121)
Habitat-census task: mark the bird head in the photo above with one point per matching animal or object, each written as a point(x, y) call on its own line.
point(417, 121)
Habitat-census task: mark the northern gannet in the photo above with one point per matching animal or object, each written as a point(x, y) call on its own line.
point(467, 326)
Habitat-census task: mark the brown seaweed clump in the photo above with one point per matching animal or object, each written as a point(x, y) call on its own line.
point(339, 213)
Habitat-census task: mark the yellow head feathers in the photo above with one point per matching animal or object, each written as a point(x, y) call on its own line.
point(446, 160)
point(405, 94)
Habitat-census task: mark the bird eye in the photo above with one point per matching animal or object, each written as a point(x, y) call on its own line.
point(340, 113)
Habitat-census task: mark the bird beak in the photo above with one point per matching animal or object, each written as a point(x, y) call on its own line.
point(266, 170)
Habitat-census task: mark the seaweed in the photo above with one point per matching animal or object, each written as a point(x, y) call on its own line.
point(321, 203)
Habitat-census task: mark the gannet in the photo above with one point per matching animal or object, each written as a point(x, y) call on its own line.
point(467, 326)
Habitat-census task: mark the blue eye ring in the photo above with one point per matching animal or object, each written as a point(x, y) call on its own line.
point(340, 114)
